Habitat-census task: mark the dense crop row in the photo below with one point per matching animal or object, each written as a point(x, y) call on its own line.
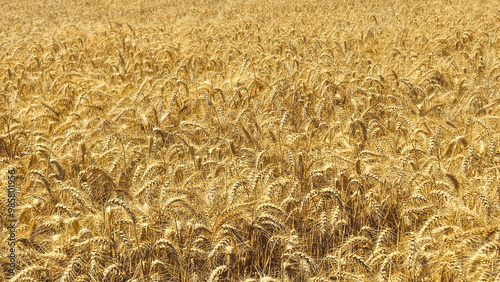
point(243, 140)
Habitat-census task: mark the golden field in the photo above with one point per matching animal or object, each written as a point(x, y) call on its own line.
point(251, 140)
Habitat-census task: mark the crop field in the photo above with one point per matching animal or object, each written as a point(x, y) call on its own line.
point(254, 140)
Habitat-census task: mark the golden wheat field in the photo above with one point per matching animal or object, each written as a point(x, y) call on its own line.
point(254, 140)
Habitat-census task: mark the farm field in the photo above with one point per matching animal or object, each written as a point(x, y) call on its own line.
point(237, 140)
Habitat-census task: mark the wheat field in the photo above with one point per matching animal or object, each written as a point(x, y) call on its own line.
point(231, 140)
